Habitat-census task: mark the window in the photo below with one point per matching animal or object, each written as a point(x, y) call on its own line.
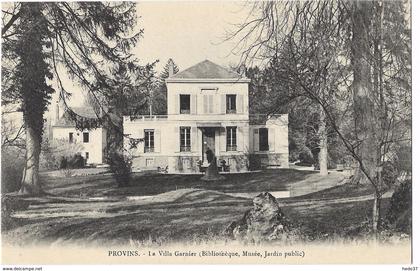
point(87, 155)
point(85, 137)
point(185, 138)
point(185, 104)
point(149, 141)
point(230, 104)
point(231, 139)
point(71, 138)
point(263, 132)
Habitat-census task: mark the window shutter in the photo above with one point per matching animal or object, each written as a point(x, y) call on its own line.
point(193, 104)
point(222, 139)
point(140, 135)
point(256, 136)
point(176, 109)
point(271, 139)
point(194, 137)
point(240, 138)
point(157, 140)
point(205, 106)
point(211, 110)
point(176, 139)
point(223, 104)
point(240, 104)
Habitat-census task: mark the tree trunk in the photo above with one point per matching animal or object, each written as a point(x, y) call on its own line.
point(30, 180)
point(32, 71)
point(376, 213)
point(323, 147)
point(362, 93)
point(115, 157)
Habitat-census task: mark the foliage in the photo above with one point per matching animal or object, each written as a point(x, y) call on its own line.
point(67, 172)
point(89, 42)
point(55, 151)
point(8, 206)
point(120, 165)
point(351, 58)
point(400, 209)
point(75, 161)
point(160, 92)
point(12, 164)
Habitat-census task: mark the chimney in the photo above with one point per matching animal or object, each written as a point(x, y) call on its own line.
point(171, 68)
point(57, 112)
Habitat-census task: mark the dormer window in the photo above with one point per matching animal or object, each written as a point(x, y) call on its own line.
point(230, 104)
point(185, 104)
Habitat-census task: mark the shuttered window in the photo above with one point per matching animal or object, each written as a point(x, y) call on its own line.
point(231, 144)
point(149, 140)
point(185, 104)
point(263, 139)
point(185, 139)
point(230, 104)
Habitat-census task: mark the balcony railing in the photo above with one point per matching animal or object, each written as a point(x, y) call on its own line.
point(146, 117)
point(149, 149)
point(185, 148)
point(231, 148)
point(253, 118)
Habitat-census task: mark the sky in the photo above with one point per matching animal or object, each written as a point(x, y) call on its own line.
point(187, 32)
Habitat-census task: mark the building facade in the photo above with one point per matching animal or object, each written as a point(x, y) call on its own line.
point(93, 141)
point(207, 112)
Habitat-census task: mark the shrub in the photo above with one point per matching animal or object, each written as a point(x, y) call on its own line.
point(67, 172)
point(12, 164)
point(56, 154)
point(400, 209)
point(76, 161)
point(254, 162)
point(8, 206)
point(120, 165)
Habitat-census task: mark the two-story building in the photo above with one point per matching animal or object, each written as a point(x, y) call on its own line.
point(207, 109)
point(93, 141)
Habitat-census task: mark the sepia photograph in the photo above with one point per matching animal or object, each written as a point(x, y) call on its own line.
point(206, 132)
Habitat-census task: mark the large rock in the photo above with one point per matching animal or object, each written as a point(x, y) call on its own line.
point(265, 221)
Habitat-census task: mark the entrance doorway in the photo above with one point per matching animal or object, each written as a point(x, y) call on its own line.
point(208, 142)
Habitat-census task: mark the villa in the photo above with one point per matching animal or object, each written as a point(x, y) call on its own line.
point(207, 110)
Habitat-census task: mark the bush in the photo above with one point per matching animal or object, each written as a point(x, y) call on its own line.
point(56, 154)
point(8, 206)
point(254, 162)
point(12, 164)
point(76, 161)
point(400, 209)
point(120, 166)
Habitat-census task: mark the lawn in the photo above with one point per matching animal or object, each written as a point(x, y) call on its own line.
point(144, 184)
point(91, 209)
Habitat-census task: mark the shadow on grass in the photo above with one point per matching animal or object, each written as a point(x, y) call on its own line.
point(143, 184)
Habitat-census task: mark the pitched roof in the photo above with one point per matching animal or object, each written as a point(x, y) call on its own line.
point(66, 120)
point(207, 70)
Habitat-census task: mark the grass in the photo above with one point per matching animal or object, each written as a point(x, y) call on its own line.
point(183, 208)
point(152, 184)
